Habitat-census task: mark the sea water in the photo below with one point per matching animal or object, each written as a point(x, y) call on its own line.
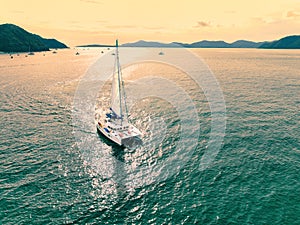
point(56, 170)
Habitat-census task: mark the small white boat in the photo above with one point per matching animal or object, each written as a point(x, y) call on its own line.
point(114, 124)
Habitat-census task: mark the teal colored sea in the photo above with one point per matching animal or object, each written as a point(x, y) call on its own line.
point(220, 143)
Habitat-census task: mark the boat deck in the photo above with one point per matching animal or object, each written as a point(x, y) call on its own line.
point(117, 133)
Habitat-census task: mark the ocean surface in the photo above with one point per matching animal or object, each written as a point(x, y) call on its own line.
point(223, 149)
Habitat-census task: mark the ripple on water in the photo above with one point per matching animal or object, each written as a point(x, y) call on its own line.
point(48, 175)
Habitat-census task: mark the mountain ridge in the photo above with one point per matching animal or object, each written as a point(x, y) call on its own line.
point(199, 44)
point(288, 42)
point(16, 39)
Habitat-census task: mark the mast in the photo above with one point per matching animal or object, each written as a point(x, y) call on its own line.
point(118, 96)
point(119, 80)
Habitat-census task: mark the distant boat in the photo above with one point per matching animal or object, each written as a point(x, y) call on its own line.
point(161, 53)
point(115, 125)
point(77, 53)
point(30, 52)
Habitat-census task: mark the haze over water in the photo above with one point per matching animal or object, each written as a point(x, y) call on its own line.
point(254, 179)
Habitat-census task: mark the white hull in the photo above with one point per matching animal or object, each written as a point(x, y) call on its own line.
point(122, 137)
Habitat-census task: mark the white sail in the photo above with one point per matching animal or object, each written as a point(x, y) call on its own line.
point(115, 96)
point(118, 101)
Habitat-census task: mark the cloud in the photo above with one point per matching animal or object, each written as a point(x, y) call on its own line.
point(17, 11)
point(153, 28)
point(292, 14)
point(267, 20)
point(101, 21)
point(121, 26)
point(74, 22)
point(91, 1)
point(230, 12)
point(202, 24)
point(277, 18)
point(258, 20)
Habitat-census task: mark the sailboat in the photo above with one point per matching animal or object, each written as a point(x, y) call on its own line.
point(161, 52)
point(30, 52)
point(115, 124)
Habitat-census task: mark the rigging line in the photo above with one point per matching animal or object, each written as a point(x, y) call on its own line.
point(119, 81)
point(113, 83)
point(125, 104)
point(122, 91)
point(123, 94)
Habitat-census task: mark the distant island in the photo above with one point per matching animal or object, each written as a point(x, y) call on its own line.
point(200, 44)
point(15, 39)
point(289, 42)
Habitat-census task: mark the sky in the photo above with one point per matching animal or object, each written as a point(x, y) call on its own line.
point(76, 22)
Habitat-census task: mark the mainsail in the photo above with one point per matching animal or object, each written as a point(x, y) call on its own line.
point(118, 101)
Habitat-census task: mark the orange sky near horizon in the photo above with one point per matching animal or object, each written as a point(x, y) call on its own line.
point(76, 22)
